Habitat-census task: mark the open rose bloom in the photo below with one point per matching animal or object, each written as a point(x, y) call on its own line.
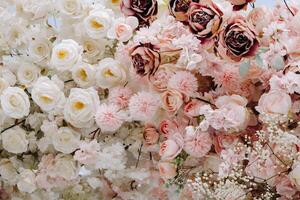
point(149, 100)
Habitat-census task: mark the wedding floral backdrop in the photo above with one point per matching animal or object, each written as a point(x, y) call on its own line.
point(149, 100)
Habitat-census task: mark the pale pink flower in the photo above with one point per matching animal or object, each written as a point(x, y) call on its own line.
point(285, 187)
point(185, 82)
point(167, 170)
point(120, 96)
point(109, 118)
point(197, 143)
point(87, 153)
point(170, 148)
point(143, 106)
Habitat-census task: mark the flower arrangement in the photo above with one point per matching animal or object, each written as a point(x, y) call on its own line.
point(149, 99)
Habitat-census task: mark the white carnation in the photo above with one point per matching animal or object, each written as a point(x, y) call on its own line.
point(15, 102)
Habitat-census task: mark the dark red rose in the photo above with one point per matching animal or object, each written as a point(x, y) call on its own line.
point(144, 10)
point(145, 59)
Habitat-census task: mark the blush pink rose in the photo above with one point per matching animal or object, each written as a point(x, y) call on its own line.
point(274, 102)
point(224, 141)
point(197, 143)
point(170, 148)
point(172, 100)
point(168, 127)
point(191, 109)
point(167, 170)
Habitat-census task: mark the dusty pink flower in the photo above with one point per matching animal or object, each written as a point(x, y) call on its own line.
point(197, 143)
point(109, 118)
point(184, 82)
point(172, 100)
point(168, 127)
point(120, 96)
point(240, 4)
point(144, 10)
point(167, 170)
point(237, 40)
point(150, 134)
point(204, 19)
point(170, 148)
point(159, 80)
point(143, 106)
point(145, 59)
point(274, 102)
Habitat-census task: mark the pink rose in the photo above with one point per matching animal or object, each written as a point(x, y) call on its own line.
point(168, 127)
point(191, 109)
point(197, 143)
point(274, 102)
point(240, 4)
point(170, 148)
point(145, 59)
point(224, 141)
point(144, 10)
point(179, 8)
point(172, 100)
point(238, 40)
point(150, 134)
point(167, 170)
point(204, 19)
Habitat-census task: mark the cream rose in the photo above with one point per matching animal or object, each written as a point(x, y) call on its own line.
point(274, 102)
point(46, 94)
point(71, 8)
point(65, 54)
point(27, 181)
point(84, 74)
point(65, 140)
point(98, 22)
point(167, 170)
point(28, 74)
point(39, 50)
point(14, 140)
point(122, 28)
point(15, 102)
point(81, 107)
point(110, 73)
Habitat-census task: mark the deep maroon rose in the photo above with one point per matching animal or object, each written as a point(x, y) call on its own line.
point(144, 10)
point(237, 40)
point(179, 8)
point(204, 19)
point(145, 59)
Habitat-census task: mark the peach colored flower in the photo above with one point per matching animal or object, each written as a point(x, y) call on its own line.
point(172, 100)
point(150, 134)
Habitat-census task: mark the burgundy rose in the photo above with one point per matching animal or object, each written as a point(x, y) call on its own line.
point(179, 8)
point(145, 59)
point(144, 10)
point(204, 19)
point(240, 4)
point(237, 40)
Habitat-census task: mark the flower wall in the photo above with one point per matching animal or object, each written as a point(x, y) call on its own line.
point(149, 99)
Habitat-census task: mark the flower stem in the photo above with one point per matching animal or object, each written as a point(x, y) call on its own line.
point(287, 6)
point(16, 124)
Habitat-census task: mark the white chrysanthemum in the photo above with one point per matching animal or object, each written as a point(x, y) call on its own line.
point(15, 102)
point(47, 94)
point(65, 54)
point(65, 140)
point(81, 107)
point(14, 140)
point(110, 73)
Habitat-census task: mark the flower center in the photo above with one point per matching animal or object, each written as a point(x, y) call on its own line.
point(61, 54)
point(108, 73)
point(13, 101)
point(82, 74)
point(78, 105)
point(202, 18)
point(96, 25)
point(46, 99)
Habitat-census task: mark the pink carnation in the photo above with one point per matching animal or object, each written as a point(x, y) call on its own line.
point(120, 96)
point(143, 106)
point(185, 82)
point(109, 118)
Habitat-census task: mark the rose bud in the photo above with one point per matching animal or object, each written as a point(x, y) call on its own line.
point(145, 59)
point(204, 19)
point(144, 10)
point(179, 8)
point(240, 4)
point(150, 134)
point(238, 40)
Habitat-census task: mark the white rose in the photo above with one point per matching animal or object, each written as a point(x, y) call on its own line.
point(110, 73)
point(122, 28)
point(27, 181)
point(81, 107)
point(65, 54)
point(65, 140)
point(3, 84)
point(98, 22)
point(65, 167)
point(84, 74)
point(47, 94)
point(274, 102)
point(7, 170)
point(39, 49)
point(93, 49)
point(27, 74)
point(14, 140)
point(72, 8)
point(15, 102)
